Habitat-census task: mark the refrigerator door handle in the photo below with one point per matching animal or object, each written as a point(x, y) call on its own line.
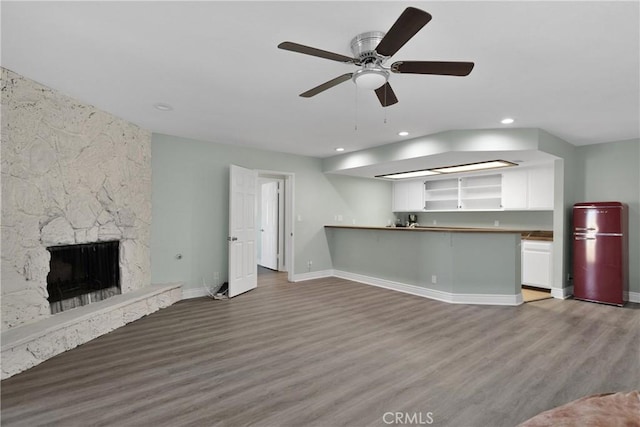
point(585, 238)
point(585, 229)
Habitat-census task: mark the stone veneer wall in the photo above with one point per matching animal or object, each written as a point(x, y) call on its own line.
point(70, 174)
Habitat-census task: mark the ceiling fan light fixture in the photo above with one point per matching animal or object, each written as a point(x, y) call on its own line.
point(370, 78)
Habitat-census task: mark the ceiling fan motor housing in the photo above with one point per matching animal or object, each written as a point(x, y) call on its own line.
point(364, 46)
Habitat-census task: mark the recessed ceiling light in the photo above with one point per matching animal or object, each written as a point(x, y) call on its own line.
point(339, 149)
point(162, 106)
point(403, 133)
point(507, 121)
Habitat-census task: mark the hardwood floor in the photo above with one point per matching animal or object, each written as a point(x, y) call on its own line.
point(330, 352)
point(534, 294)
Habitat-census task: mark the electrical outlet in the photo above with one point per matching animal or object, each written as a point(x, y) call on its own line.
point(339, 218)
point(435, 222)
point(353, 221)
point(496, 223)
point(434, 279)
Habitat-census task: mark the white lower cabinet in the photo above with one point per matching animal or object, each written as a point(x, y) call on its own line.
point(537, 263)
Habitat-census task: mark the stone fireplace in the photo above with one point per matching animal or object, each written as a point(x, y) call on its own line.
point(71, 175)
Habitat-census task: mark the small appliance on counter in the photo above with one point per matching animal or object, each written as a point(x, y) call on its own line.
point(411, 221)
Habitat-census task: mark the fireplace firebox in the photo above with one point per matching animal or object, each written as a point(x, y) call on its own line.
point(82, 274)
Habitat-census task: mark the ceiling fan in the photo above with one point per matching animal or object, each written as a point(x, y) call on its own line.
point(372, 49)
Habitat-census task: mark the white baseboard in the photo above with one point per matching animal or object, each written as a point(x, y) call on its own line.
point(312, 275)
point(632, 296)
point(487, 299)
point(562, 293)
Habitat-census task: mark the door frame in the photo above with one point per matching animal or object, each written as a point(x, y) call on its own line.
point(281, 214)
point(288, 258)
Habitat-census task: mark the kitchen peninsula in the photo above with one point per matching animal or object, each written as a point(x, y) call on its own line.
point(456, 265)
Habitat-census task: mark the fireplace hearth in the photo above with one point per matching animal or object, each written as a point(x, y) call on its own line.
point(82, 274)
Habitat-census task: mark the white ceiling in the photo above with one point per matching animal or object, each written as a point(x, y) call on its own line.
point(571, 68)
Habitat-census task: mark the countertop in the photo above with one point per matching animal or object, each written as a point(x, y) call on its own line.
point(526, 234)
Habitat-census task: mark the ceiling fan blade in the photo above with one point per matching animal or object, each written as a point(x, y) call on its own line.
point(405, 27)
point(386, 95)
point(327, 85)
point(295, 47)
point(433, 67)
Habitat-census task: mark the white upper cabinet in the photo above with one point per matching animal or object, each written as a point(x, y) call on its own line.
point(514, 189)
point(483, 192)
point(540, 188)
point(408, 196)
point(528, 189)
point(442, 194)
point(517, 188)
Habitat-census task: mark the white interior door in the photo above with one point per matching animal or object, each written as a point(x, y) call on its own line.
point(269, 225)
point(243, 270)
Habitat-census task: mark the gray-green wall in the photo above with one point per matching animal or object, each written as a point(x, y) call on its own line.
point(529, 220)
point(190, 206)
point(610, 172)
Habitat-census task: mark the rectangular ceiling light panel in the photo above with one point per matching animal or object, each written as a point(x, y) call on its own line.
point(469, 167)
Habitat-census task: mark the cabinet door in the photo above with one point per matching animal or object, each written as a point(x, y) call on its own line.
point(537, 264)
point(415, 196)
point(540, 188)
point(514, 189)
point(408, 196)
point(400, 197)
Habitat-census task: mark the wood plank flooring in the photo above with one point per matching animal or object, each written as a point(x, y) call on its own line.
point(532, 294)
point(330, 352)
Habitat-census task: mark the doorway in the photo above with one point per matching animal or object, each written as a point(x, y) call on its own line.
point(274, 224)
point(270, 225)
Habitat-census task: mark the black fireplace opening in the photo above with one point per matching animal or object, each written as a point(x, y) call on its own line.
point(82, 274)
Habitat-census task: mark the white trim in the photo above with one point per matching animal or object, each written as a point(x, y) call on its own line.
point(632, 296)
point(322, 274)
point(562, 293)
point(435, 294)
point(289, 222)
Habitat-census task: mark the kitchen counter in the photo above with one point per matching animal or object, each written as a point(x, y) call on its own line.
point(525, 234)
point(451, 264)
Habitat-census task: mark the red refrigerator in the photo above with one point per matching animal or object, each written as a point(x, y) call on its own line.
point(600, 254)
